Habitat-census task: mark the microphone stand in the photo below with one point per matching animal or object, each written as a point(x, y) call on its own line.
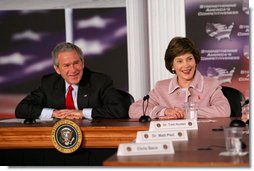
point(145, 118)
point(246, 102)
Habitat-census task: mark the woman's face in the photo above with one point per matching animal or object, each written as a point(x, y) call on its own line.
point(185, 67)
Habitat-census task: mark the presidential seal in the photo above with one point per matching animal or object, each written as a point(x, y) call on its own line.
point(66, 136)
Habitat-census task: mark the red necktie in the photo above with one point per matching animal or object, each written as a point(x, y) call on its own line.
point(69, 101)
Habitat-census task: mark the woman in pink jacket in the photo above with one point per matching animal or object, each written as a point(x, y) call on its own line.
point(168, 96)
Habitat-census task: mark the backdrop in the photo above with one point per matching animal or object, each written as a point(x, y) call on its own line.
point(220, 29)
point(28, 38)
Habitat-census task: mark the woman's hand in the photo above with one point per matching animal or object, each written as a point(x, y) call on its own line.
point(173, 113)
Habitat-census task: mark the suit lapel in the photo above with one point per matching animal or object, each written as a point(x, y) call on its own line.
point(59, 94)
point(83, 95)
point(83, 90)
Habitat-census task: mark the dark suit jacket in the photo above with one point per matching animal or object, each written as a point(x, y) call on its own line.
point(95, 91)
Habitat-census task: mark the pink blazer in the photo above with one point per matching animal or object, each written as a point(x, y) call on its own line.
point(167, 93)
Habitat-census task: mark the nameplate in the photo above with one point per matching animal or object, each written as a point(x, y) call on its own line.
point(160, 136)
point(136, 149)
point(184, 124)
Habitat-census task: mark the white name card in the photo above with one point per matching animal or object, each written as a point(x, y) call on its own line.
point(184, 124)
point(160, 136)
point(136, 149)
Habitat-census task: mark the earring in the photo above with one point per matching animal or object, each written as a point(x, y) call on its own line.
point(173, 71)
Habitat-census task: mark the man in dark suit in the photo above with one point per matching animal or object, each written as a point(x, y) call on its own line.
point(93, 93)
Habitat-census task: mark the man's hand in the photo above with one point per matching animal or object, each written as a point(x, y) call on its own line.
point(68, 114)
point(75, 114)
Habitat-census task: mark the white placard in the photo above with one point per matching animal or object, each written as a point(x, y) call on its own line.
point(135, 149)
point(184, 124)
point(160, 136)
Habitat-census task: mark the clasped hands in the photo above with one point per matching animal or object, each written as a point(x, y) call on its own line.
point(173, 113)
point(68, 114)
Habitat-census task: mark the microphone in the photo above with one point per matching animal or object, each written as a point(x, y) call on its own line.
point(29, 121)
point(245, 102)
point(146, 97)
point(145, 118)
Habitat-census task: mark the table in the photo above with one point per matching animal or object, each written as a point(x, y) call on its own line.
point(99, 133)
point(202, 149)
point(31, 145)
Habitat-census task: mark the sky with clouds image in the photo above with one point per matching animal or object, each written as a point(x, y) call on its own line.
point(30, 36)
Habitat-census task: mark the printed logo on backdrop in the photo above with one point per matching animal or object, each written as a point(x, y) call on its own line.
point(66, 136)
point(221, 33)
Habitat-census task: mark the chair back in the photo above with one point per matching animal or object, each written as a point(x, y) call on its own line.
point(128, 98)
point(235, 97)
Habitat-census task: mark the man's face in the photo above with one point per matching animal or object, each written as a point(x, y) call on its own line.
point(70, 67)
